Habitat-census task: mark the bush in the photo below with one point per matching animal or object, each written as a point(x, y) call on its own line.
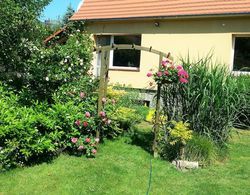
point(201, 149)
point(126, 117)
point(49, 68)
point(25, 135)
point(210, 100)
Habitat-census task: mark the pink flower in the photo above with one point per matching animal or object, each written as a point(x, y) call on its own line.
point(81, 147)
point(104, 100)
point(87, 140)
point(164, 64)
point(183, 73)
point(85, 124)
point(97, 140)
point(102, 114)
point(82, 95)
point(166, 73)
point(159, 74)
point(74, 140)
point(93, 151)
point(78, 123)
point(183, 80)
point(149, 74)
point(87, 114)
point(179, 67)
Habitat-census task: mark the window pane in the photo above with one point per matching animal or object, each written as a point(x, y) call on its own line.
point(242, 54)
point(103, 40)
point(127, 58)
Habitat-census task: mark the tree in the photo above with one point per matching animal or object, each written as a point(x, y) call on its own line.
point(69, 12)
point(18, 25)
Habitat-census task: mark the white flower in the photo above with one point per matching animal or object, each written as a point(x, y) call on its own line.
point(47, 78)
point(18, 75)
point(78, 30)
point(69, 69)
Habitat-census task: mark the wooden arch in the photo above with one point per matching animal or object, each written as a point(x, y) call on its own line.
point(105, 51)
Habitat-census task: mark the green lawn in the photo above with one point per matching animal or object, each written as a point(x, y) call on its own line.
point(122, 168)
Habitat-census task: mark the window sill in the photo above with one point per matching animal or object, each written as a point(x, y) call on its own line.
point(237, 73)
point(130, 69)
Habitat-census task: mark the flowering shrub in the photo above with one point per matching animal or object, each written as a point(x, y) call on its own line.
point(169, 73)
point(85, 145)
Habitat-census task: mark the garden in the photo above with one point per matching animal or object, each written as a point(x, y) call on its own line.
point(62, 130)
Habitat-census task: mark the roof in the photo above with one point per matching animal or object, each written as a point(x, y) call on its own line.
point(57, 33)
point(131, 9)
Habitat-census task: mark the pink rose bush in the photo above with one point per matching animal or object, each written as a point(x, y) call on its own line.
point(169, 73)
point(85, 145)
point(85, 126)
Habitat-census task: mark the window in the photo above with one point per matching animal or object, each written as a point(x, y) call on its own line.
point(241, 54)
point(122, 59)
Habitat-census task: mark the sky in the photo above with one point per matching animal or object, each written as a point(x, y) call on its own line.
point(58, 8)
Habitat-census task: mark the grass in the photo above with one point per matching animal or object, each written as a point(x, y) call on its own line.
point(122, 168)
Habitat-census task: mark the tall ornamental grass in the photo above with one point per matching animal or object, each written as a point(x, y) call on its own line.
point(210, 101)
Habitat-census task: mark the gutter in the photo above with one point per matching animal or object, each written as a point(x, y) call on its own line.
point(165, 17)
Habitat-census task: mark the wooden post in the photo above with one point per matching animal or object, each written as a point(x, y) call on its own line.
point(102, 83)
point(106, 73)
point(157, 115)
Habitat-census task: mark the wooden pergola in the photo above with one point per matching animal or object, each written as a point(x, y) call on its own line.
point(105, 51)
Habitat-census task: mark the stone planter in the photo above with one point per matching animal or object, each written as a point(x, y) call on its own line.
point(183, 164)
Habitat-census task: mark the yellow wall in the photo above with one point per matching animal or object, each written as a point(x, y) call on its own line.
point(196, 37)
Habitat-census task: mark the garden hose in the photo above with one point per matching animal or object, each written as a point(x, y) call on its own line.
point(150, 177)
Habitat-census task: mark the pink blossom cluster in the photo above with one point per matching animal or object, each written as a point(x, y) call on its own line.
point(169, 73)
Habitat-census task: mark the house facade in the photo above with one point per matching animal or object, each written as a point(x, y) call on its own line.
point(183, 28)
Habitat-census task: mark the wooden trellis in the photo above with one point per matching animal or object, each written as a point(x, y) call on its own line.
point(105, 53)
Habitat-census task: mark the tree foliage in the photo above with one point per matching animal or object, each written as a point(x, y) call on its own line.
point(18, 24)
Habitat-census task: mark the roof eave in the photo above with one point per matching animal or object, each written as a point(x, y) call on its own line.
point(165, 17)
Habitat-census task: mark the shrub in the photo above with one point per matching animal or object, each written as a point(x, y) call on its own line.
point(126, 117)
point(210, 100)
point(83, 89)
point(201, 149)
point(25, 135)
point(49, 68)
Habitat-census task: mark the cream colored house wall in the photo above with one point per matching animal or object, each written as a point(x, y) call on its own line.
point(193, 37)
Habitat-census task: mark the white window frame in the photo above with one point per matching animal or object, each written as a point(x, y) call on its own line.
point(111, 57)
point(237, 72)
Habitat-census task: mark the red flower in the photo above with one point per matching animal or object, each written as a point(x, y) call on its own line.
point(82, 95)
point(164, 64)
point(183, 80)
point(87, 140)
point(87, 114)
point(78, 123)
point(102, 114)
point(85, 124)
point(179, 67)
point(166, 73)
point(183, 73)
point(159, 74)
point(149, 74)
point(93, 151)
